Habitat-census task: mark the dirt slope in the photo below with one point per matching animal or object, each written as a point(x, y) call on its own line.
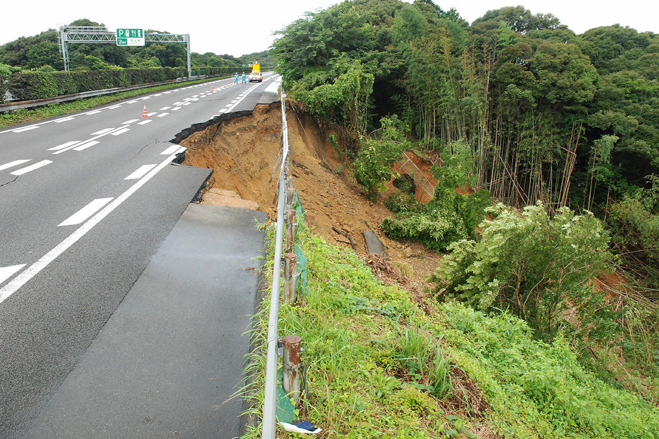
point(243, 153)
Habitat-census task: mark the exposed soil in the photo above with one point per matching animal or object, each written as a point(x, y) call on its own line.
point(243, 153)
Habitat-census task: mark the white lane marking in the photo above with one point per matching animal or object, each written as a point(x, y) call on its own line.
point(163, 114)
point(131, 102)
point(63, 145)
point(155, 96)
point(88, 140)
point(176, 109)
point(171, 150)
point(187, 103)
point(165, 108)
point(7, 272)
point(66, 119)
point(115, 106)
point(152, 114)
point(234, 101)
point(12, 164)
point(128, 122)
point(49, 257)
point(228, 105)
point(83, 214)
point(141, 172)
point(167, 92)
point(145, 122)
point(31, 168)
point(105, 131)
point(20, 130)
point(85, 145)
point(241, 99)
point(145, 98)
point(117, 133)
point(89, 113)
point(223, 110)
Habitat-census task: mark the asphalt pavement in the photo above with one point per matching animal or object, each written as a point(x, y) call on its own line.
point(170, 358)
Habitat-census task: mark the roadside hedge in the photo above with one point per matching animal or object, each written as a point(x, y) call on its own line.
point(40, 85)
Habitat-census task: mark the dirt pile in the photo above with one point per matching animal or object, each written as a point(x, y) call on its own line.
point(243, 153)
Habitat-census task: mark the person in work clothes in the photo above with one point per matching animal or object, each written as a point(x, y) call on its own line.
point(244, 78)
point(235, 78)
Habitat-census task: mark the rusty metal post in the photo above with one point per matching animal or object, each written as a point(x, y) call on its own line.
point(290, 230)
point(290, 277)
point(292, 366)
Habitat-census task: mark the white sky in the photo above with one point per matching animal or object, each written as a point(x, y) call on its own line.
point(239, 27)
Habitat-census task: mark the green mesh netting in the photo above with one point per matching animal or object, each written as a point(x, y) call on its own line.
point(302, 283)
point(300, 215)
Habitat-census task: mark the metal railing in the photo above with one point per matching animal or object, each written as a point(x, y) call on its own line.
point(270, 399)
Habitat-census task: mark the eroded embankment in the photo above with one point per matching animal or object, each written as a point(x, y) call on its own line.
point(243, 153)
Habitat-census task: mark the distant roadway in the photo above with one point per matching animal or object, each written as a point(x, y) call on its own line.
point(85, 201)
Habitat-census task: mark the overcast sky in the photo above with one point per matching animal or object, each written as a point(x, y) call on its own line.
point(239, 27)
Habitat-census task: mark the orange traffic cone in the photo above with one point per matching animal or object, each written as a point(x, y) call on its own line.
point(212, 89)
point(144, 113)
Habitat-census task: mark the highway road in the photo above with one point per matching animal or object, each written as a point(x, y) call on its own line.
point(85, 202)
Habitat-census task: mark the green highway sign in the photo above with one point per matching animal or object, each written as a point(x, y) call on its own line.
point(130, 37)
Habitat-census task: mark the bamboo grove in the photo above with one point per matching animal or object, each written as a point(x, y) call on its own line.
point(550, 115)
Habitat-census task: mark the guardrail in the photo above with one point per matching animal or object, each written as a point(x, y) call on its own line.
point(270, 398)
point(12, 106)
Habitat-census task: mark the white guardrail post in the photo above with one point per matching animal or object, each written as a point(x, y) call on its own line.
point(270, 398)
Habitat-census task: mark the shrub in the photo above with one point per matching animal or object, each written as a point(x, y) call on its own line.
point(536, 266)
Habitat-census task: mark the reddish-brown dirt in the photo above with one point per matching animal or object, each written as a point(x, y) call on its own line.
point(243, 153)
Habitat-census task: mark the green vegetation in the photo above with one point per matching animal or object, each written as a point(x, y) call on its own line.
point(52, 110)
point(562, 131)
point(377, 365)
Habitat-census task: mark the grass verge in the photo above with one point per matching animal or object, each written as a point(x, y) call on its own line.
point(54, 110)
point(380, 365)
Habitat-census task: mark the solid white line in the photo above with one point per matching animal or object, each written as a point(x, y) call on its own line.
point(128, 122)
point(107, 130)
point(241, 99)
point(115, 106)
point(49, 257)
point(85, 145)
point(140, 172)
point(12, 164)
point(163, 114)
point(83, 214)
point(7, 272)
point(171, 150)
point(63, 145)
point(117, 133)
point(89, 113)
point(145, 122)
point(66, 119)
point(20, 130)
point(131, 102)
point(41, 164)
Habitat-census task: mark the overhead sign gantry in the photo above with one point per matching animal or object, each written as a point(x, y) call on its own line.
point(122, 37)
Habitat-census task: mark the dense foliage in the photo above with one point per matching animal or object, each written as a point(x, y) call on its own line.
point(42, 52)
point(377, 364)
point(549, 115)
point(524, 111)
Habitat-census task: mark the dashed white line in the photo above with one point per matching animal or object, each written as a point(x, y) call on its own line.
point(85, 145)
point(165, 108)
point(31, 168)
point(63, 145)
point(117, 133)
point(163, 114)
point(49, 257)
point(81, 216)
point(141, 172)
point(89, 113)
point(145, 122)
point(107, 130)
point(176, 108)
point(12, 164)
point(128, 122)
